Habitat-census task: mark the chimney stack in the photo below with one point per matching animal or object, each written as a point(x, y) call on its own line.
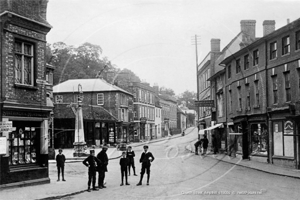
point(248, 30)
point(215, 45)
point(269, 27)
point(288, 20)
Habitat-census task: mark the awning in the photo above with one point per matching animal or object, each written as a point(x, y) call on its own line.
point(213, 127)
point(201, 132)
point(235, 133)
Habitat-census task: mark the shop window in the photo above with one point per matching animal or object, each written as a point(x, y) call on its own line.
point(283, 138)
point(24, 63)
point(259, 139)
point(285, 45)
point(273, 50)
point(23, 146)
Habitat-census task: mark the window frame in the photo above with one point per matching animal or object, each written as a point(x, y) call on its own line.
point(275, 89)
point(287, 86)
point(273, 50)
point(98, 98)
point(238, 66)
point(246, 62)
point(229, 71)
point(297, 40)
point(255, 57)
point(22, 54)
point(286, 45)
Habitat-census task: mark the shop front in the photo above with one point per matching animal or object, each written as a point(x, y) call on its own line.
point(25, 160)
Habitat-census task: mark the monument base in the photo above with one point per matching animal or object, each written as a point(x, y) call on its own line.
point(79, 149)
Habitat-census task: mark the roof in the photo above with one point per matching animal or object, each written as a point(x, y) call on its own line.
point(88, 85)
point(64, 111)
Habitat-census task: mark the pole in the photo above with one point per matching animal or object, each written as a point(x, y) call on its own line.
point(196, 49)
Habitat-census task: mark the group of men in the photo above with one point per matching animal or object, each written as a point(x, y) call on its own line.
point(99, 163)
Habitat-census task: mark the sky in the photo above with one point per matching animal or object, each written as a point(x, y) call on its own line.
point(154, 38)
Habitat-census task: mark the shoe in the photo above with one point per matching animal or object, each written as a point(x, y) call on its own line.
point(121, 184)
point(88, 189)
point(95, 189)
point(103, 186)
point(128, 174)
point(196, 154)
point(57, 179)
point(64, 180)
point(100, 187)
point(135, 175)
point(127, 184)
point(139, 184)
point(147, 183)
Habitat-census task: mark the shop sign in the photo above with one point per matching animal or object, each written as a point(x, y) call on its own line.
point(204, 103)
point(6, 126)
point(3, 145)
point(288, 127)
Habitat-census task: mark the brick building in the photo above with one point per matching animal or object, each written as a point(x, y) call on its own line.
point(262, 87)
point(23, 30)
point(107, 112)
point(144, 110)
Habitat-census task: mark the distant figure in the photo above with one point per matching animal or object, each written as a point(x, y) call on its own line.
point(102, 156)
point(60, 163)
point(197, 145)
point(124, 162)
point(215, 144)
point(204, 142)
point(130, 155)
point(92, 163)
point(146, 159)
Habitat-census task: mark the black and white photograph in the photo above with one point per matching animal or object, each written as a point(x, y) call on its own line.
point(149, 99)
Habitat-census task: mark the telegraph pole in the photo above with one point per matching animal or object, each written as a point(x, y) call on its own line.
point(195, 42)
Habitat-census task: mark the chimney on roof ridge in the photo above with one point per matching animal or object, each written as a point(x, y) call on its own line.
point(248, 30)
point(215, 45)
point(268, 27)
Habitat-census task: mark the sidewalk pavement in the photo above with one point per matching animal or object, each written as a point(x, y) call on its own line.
point(255, 165)
point(112, 152)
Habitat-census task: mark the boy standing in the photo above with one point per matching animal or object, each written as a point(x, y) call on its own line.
point(146, 159)
point(124, 164)
point(130, 156)
point(92, 162)
point(60, 163)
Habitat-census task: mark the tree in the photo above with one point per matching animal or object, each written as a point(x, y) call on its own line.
point(167, 91)
point(187, 98)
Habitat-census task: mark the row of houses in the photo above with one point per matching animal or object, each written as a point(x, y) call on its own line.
point(255, 87)
point(112, 115)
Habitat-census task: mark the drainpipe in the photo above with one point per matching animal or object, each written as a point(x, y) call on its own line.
point(269, 123)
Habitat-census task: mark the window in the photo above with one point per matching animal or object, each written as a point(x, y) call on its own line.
point(24, 58)
point(220, 104)
point(259, 139)
point(246, 62)
point(22, 146)
point(238, 65)
point(275, 89)
point(286, 45)
point(239, 99)
point(273, 50)
point(297, 40)
point(283, 138)
point(256, 90)
point(287, 84)
point(229, 71)
point(230, 101)
point(59, 99)
point(248, 98)
point(100, 99)
point(49, 77)
point(255, 57)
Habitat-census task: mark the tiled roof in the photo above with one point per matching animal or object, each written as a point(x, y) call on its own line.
point(89, 112)
point(88, 85)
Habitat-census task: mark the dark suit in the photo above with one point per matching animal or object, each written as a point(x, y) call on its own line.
point(130, 155)
point(146, 163)
point(102, 156)
point(60, 163)
point(92, 162)
point(124, 164)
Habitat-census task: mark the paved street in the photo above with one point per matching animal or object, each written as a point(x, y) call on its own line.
point(175, 174)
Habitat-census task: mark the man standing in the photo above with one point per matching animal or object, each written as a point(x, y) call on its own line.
point(102, 156)
point(60, 163)
point(146, 159)
point(204, 142)
point(92, 162)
